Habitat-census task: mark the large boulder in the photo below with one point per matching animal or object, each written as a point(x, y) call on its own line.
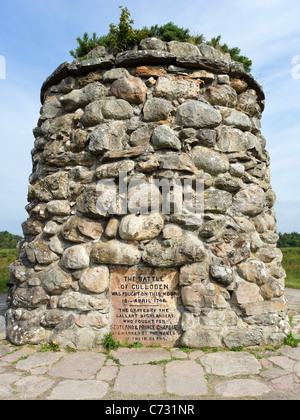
point(249, 201)
point(115, 252)
point(209, 160)
point(142, 227)
point(197, 115)
point(132, 89)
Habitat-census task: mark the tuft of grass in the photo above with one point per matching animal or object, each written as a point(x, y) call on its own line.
point(53, 346)
point(290, 340)
point(186, 350)
point(110, 343)
point(161, 362)
point(239, 348)
point(135, 345)
point(70, 349)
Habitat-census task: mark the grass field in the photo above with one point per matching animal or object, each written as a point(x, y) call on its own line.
point(291, 264)
point(7, 256)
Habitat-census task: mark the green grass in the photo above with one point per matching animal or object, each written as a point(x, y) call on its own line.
point(7, 256)
point(291, 264)
point(290, 340)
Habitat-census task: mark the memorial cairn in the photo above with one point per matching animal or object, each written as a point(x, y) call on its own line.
point(150, 206)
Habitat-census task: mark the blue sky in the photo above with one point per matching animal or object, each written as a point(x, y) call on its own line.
point(36, 36)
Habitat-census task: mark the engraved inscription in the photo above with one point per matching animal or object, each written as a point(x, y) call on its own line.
point(145, 305)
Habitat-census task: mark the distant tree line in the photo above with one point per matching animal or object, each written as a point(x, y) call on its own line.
point(8, 240)
point(289, 240)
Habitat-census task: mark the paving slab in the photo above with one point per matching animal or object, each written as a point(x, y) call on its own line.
point(4, 349)
point(196, 354)
point(297, 369)
point(238, 388)
point(2, 367)
point(286, 383)
point(272, 373)
point(283, 362)
point(79, 390)
point(19, 354)
point(293, 299)
point(178, 354)
point(185, 378)
point(266, 364)
point(6, 392)
point(296, 326)
point(107, 373)
point(6, 382)
point(140, 380)
point(127, 356)
point(228, 363)
point(292, 352)
point(8, 379)
point(81, 365)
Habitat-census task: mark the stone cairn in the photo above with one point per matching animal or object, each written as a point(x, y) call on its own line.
point(163, 111)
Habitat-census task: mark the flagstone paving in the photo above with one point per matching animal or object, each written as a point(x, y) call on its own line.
point(242, 388)
point(144, 380)
point(231, 363)
point(127, 356)
point(148, 373)
point(185, 379)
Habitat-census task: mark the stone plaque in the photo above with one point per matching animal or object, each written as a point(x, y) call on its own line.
point(144, 304)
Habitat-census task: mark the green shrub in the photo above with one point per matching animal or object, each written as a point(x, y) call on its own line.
point(8, 240)
point(288, 240)
point(234, 52)
point(290, 340)
point(124, 36)
point(135, 344)
point(110, 343)
point(86, 44)
point(196, 39)
point(51, 346)
point(117, 40)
